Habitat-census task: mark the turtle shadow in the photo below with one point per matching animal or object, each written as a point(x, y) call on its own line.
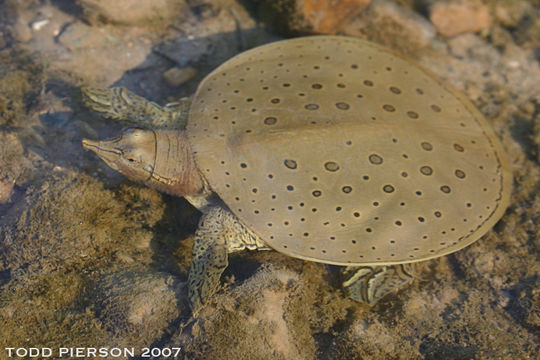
point(60, 120)
point(521, 131)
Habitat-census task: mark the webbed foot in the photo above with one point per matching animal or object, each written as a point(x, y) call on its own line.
point(219, 234)
point(209, 259)
point(120, 104)
point(369, 284)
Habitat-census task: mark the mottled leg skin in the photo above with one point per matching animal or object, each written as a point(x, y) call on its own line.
point(120, 104)
point(219, 234)
point(369, 284)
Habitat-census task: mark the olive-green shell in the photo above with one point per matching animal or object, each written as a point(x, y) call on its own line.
point(338, 150)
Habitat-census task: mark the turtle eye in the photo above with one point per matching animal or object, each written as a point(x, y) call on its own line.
point(131, 160)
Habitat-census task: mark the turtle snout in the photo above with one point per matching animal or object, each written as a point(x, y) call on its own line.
point(89, 144)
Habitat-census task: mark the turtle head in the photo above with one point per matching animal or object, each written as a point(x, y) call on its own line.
point(161, 159)
point(133, 153)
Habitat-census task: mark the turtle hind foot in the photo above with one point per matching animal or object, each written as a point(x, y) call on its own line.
point(120, 104)
point(369, 284)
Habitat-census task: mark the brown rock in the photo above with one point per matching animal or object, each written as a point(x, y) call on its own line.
point(102, 54)
point(6, 189)
point(130, 12)
point(11, 164)
point(21, 31)
point(511, 12)
point(311, 16)
point(393, 25)
point(328, 17)
point(457, 17)
point(177, 76)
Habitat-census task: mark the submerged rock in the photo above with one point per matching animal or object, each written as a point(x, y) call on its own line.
point(457, 17)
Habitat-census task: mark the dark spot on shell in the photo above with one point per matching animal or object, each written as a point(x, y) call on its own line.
point(331, 166)
point(460, 174)
point(388, 189)
point(445, 189)
point(412, 114)
point(389, 108)
point(291, 164)
point(270, 120)
point(346, 189)
point(311, 107)
point(426, 146)
point(342, 106)
point(375, 159)
point(458, 147)
point(426, 170)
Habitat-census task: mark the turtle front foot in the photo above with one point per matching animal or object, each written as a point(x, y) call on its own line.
point(111, 103)
point(219, 234)
point(369, 284)
point(118, 103)
point(209, 258)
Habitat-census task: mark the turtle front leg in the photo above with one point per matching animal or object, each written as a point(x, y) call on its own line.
point(120, 104)
point(369, 284)
point(219, 234)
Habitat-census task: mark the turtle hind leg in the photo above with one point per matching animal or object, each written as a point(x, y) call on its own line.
point(122, 105)
point(369, 284)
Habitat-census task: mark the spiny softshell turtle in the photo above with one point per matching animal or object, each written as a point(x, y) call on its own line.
point(325, 148)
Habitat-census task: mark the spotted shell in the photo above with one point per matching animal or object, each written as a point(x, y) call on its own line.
point(338, 150)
